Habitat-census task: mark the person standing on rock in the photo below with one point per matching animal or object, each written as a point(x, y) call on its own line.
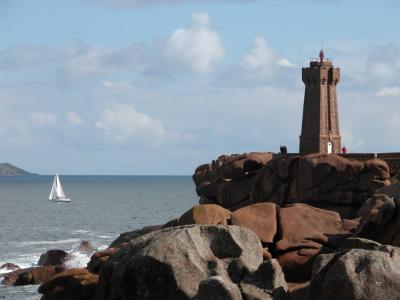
point(344, 150)
point(283, 150)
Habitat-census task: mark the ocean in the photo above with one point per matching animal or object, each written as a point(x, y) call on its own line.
point(101, 208)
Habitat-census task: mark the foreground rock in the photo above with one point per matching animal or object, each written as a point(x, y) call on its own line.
point(206, 214)
point(171, 263)
point(381, 222)
point(303, 232)
point(9, 267)
point(260, 218)
point(361, 269)
point(52, 258)
point(130, 235)
point(72, 284)
point(36, 275)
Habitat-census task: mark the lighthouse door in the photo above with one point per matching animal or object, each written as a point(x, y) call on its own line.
point(330, 146)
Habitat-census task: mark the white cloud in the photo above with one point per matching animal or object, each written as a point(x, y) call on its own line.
point(122, 123)
point(43, 119)
point(119, 86)
point(90, 61)
point(86, 61)
point(197, 47)
point(74, 118)
point(389, 91)
point(261, 56)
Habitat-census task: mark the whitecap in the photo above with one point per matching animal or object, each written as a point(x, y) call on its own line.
point(77, 260)
point(102, 247)
point(80, 231)
point(37, 243)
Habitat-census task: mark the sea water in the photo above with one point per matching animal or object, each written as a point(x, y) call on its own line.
point(101, 208)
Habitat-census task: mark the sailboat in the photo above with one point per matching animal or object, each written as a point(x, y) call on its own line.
point(57, 193)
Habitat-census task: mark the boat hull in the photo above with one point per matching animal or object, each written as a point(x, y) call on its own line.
point(60, 200)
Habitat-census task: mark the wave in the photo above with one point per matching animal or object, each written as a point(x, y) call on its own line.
point(80, 231)
point(77, 260)
point(77, 257)
point(39, 243)
point(90, 233)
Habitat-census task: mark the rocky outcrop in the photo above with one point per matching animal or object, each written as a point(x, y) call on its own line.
point(320, 180)
point(100, 258)
point(72, 284)
point(209, 214)
point(227, 180)
point(9, 267)
point(50, 263)
point(52, 258)
point(381, 220)
point(29, 276)
point(130, 235)
point(326, 181)
point(268, 227)
point(303, 231)
point(360, 269)
point(218, 288)
point(260, 218)
point(165, 258)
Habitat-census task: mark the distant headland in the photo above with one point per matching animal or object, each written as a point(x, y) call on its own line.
point(7, 169)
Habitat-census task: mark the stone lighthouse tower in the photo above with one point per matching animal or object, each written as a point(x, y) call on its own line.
point(320, 126)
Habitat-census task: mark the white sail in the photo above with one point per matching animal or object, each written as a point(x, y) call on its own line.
point(53, 193)
point(57, 193)
point(60, 192)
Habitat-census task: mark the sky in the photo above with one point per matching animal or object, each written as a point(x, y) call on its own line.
point(152, 87)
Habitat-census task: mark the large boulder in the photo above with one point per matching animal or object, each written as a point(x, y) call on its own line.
point(202, 174)
point(392, 190)
point(237, 166)
point(9, 267)
point(273, 182)
point(72, 284)
point(259, 217)
point(206, 214)
point(171, 263)
point(52, 258)
point(333, 180)
point(361, 269)
point(218, 288)
point(100, 258)
point(304, 226)
point(380, 220)
point(233, 192)
point(28, 276)
point(268, 282)
point(227, 180)
point(130, 235)
point(302, 231)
